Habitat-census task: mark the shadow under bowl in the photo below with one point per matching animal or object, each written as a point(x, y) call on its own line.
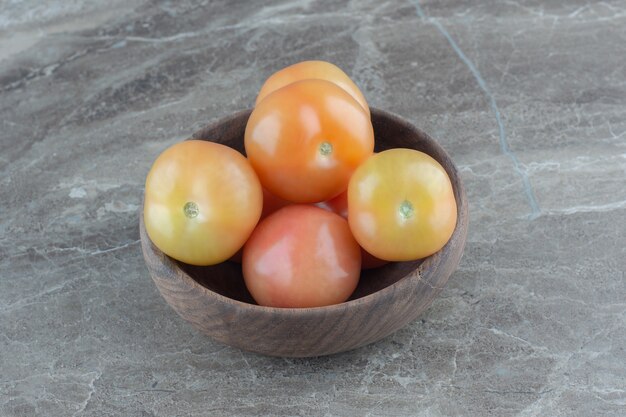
point(215, 300)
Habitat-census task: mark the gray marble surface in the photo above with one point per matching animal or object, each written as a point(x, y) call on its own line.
point(529, 98)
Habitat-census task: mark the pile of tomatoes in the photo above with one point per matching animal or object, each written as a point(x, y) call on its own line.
point(310, 205)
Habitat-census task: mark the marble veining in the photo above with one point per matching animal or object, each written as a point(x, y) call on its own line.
point(529, 98)
point(504, 144)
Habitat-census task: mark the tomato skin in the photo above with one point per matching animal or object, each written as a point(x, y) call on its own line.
point(401, 205)
point(301, 256)
point(339, 205)
point(306, 139)
point(320, 70)
point(202, 201)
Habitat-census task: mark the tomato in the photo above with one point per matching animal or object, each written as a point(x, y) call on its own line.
point(306, 139)
point(202, 201)
point(401, 205)
point(339, 205)
point(301, 256)
point(320, 70)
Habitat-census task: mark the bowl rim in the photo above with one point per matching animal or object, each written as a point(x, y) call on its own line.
point(406, 282)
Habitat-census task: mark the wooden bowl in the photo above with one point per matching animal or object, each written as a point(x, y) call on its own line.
point(215, 300)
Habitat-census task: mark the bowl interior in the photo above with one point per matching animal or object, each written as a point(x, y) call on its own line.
point(226, 278)
point(390, 132)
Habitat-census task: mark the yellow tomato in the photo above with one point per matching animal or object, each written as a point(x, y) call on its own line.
point(320, 70)
point(401, 205)
point(202, 202)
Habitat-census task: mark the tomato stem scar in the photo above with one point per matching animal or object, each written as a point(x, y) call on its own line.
point(406, 210)
point(191, 210)
point(326, 148)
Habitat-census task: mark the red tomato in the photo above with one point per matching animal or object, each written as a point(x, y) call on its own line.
point(401, 205)
point(301, 256)
point(306, 139)
point(201, 203)
point(306, 70)
point(339, 205)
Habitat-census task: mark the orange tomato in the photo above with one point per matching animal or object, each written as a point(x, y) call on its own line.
point(301, 256)
point(202, 201)
point(306, 139)
point(320, 70)
point(401, 205)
